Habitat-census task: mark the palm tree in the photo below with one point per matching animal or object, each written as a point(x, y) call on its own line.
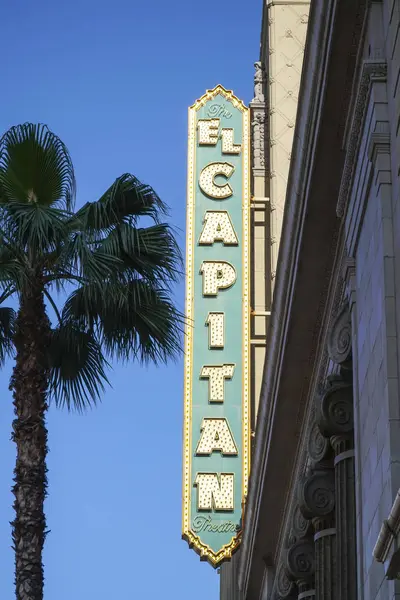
point(118, 278)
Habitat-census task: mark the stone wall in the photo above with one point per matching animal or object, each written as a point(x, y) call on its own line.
point(373, 241)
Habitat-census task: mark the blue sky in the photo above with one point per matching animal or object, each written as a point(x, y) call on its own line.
point(114, 80)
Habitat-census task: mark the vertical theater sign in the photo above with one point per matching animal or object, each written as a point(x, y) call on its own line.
point(216, 387)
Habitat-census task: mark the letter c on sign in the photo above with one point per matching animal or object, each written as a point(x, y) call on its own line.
point(208, 185)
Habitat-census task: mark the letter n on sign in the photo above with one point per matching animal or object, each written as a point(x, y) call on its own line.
point(216, 451)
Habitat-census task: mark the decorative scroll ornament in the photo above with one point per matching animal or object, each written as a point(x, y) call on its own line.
point(336, 409)
point(284, 586)
point(300, 525)
point(340, 338)
point(318, 445)
point(300, 560)
point(317, 494)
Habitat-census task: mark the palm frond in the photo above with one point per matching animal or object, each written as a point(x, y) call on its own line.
point(121, 270)
point(12, 271)
point(36, 228)
point(35, 167)
point(7, 330)
point(79, 258)
point(125, 201)
point(77, 367)
point(151, 252)
point(134, 320)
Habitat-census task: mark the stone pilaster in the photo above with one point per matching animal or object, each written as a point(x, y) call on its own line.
point(346, 515)
point(317, 502)
point(336, 422)
point(325, 557)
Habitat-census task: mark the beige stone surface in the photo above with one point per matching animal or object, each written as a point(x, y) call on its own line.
point(287, 34)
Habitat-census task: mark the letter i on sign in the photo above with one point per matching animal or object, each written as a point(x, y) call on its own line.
point(216, 330)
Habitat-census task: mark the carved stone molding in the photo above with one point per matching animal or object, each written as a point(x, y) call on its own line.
point(258, 124)
point(259, 121)
point(372, 71)
point(300, 560)
point(336, 409)
point(317, 494)
point(340, 339)
point(318, 446)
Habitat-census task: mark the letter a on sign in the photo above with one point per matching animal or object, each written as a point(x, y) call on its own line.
point(218, 228)
point(216, 435)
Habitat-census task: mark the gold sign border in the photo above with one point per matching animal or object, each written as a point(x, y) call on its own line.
point(205, 552)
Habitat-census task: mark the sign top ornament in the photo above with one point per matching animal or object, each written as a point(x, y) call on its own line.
point(216, 390)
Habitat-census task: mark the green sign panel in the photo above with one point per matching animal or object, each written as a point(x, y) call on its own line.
point(216, 388)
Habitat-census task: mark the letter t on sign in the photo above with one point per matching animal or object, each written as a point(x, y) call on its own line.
point(216, 374)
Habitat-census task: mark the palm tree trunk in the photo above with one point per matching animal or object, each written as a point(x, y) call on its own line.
point(29, 386)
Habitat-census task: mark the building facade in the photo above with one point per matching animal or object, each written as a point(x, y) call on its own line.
point(273, 115)
point(322, 517)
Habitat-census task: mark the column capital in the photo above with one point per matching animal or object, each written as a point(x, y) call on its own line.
point(336, 408)
point(300, 561)
point(317, 494)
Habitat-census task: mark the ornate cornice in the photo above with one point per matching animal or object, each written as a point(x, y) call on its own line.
point(371, 72)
